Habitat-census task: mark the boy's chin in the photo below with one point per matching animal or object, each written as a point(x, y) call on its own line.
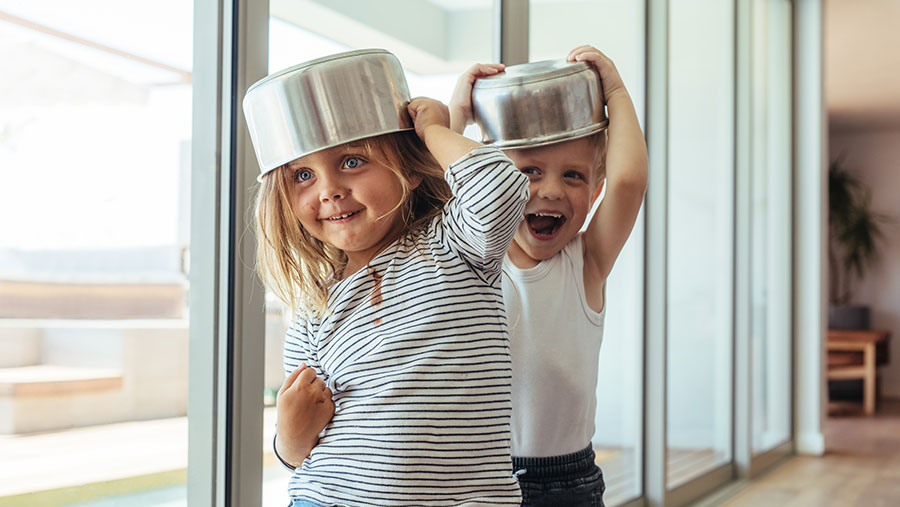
point(541, 250)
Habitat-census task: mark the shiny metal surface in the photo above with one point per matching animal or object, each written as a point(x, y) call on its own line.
point(539, 103)
point(324, 103)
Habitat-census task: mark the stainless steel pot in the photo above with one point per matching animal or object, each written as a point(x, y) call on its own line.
point(324, 103)
point(539, 103)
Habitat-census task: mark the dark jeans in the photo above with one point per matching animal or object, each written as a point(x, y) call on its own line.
point(571, 480)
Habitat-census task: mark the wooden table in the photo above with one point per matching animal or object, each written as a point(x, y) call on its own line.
point(855, 354)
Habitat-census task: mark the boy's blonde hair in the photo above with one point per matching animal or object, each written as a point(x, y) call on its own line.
point(599, 141)
point(299, 268)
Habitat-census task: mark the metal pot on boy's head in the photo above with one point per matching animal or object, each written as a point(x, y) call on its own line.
point(539, 103)
point(324, 103)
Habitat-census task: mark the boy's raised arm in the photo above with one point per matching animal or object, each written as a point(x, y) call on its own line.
point(461, 101)
point(626, 171)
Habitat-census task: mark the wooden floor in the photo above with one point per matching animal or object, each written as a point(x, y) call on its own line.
point(621, 471)
point(861, 467)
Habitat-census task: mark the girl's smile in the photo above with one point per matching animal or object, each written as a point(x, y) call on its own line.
point(343, 217)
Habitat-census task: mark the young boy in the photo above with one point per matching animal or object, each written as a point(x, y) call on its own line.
point(554, 294)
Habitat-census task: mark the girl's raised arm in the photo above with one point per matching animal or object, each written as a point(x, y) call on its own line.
point(432, 122)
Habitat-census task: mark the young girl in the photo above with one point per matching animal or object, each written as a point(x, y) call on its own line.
point(555, 291)
point(398, 390)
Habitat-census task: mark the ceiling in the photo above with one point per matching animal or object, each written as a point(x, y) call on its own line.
point(862, 63)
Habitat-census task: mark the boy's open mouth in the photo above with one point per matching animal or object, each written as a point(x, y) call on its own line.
point(543, 224)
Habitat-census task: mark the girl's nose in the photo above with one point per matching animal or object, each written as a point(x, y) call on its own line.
point(331, 188)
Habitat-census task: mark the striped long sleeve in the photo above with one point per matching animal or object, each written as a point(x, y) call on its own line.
point(416, 349)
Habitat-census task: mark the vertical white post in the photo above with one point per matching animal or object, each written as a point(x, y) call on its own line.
point(655, 253)
point(810, 202)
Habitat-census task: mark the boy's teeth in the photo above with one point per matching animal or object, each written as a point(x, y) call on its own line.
point(554, 215)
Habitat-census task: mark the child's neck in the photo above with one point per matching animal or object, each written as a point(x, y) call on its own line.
point(356, 262)
point(519, 258)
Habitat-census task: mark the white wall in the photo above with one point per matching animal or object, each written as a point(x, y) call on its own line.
point(874, 156)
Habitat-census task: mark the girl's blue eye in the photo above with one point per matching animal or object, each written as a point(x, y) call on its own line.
point(303, 175)
point(352, 162)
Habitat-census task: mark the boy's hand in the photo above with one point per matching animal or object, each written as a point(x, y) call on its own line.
point(304, 407)
point(427, 112)
point(609, 75)
point(461, 100)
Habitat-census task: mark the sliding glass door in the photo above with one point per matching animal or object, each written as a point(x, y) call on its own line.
point(700, 224)
point(95, 165)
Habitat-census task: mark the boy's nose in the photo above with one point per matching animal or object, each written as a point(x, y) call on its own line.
point(550, 189)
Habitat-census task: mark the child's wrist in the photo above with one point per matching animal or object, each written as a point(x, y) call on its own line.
point(292, 453)
point(431, 130)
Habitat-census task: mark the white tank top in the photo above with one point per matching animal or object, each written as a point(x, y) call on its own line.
point(555, 342)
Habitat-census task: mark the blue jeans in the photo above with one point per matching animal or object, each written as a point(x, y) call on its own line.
point(571, 480)
point(304, 503)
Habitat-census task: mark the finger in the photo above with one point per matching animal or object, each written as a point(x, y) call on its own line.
point(592, 55)
point(328, 393)
point(308, 376)
point(291, 378)
point(318, 384)
point(579, 49)
point(324, 395)
point(490, 68)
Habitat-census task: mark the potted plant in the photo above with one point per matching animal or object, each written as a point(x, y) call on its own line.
point(854, 234)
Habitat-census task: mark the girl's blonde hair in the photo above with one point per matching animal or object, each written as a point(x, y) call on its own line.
point(297, 267)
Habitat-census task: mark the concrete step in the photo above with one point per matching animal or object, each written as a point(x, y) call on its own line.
point(75, 396)
point(46, 379)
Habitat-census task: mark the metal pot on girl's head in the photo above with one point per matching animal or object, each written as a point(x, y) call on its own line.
point(539, 103)
point(324, 103)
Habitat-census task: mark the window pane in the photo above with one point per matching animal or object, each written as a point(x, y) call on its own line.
point(771, 224)
point(617, 28)
point(433, 53)
point(700, 238)
point(95, 136)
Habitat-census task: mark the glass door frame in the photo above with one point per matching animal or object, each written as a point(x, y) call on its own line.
point(227, 299)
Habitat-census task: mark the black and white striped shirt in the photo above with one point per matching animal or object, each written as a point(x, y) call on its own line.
point(416, 350)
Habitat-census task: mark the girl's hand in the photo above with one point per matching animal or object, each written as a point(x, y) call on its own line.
point(426, 113)
point(461, 100)
point(609, 75)
point(304, 407)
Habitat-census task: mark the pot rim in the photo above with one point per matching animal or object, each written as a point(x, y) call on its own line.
point(534, 142)
point(531, 72)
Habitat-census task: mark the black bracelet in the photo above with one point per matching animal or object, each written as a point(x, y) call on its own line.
point(284, 463)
